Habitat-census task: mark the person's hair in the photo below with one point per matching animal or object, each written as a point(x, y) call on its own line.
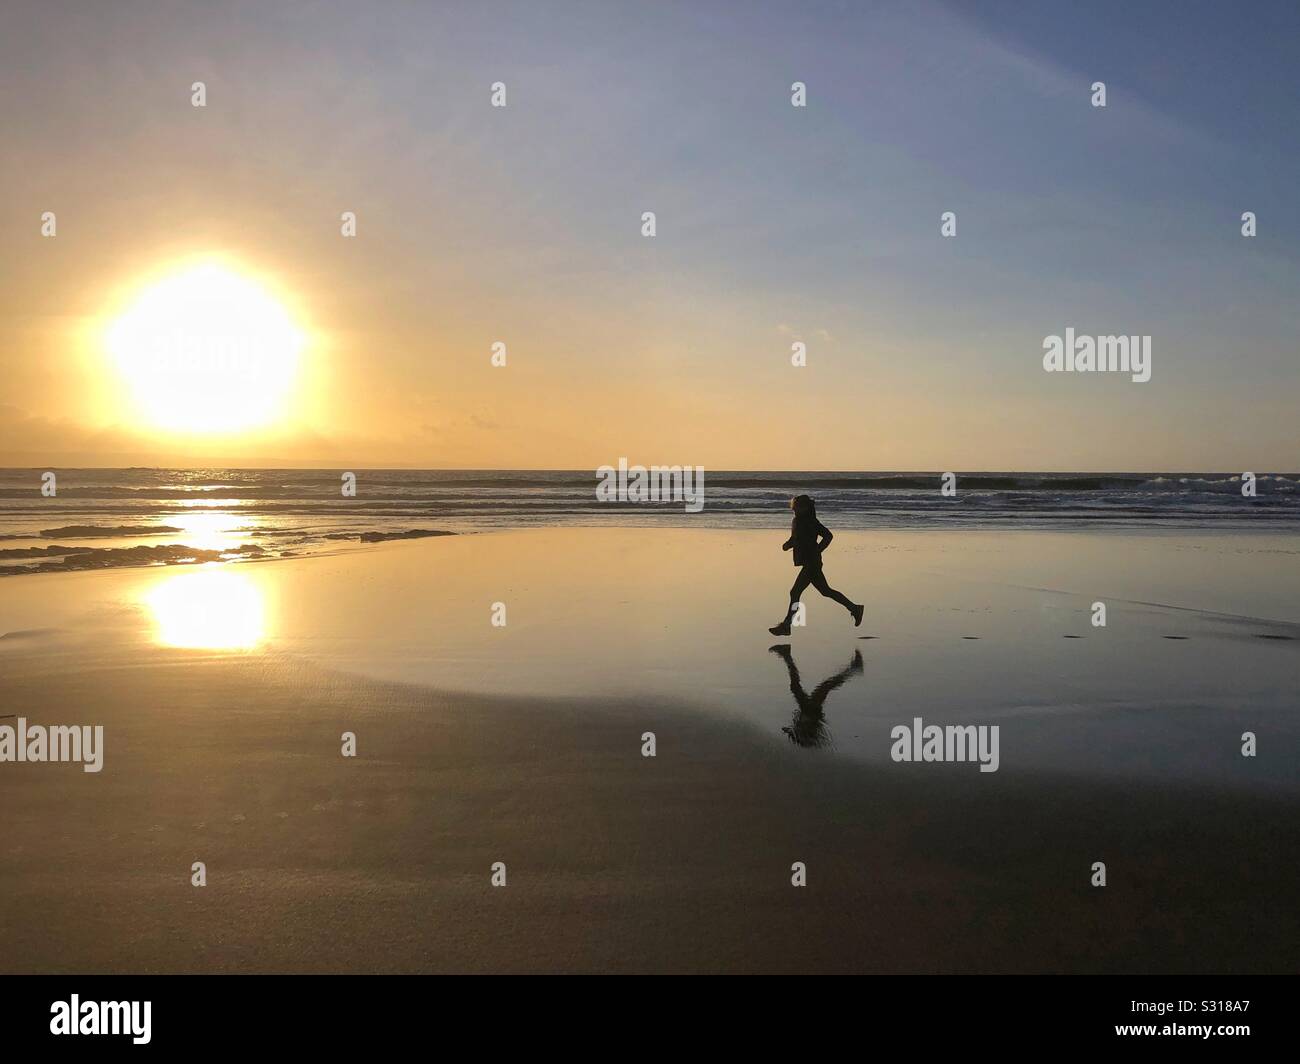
point(803, 505)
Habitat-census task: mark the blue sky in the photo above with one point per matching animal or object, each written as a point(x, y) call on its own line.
point(775, 223)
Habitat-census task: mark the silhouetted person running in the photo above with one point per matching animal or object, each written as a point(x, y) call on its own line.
point(808, 538)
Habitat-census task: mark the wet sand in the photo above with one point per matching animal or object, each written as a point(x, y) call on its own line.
point(614, 862)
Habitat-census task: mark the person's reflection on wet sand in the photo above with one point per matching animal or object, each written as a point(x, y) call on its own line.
point(808, 726)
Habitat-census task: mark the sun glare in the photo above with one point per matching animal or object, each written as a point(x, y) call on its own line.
point(209, 608)
point(206, 350)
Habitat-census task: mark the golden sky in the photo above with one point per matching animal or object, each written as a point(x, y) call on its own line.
point(523, 225)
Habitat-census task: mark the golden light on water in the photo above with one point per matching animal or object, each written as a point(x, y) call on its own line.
point(206, 349)
point(207, 529)
point(212, 607)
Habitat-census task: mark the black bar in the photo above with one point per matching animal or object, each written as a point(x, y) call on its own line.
point(616, 1016)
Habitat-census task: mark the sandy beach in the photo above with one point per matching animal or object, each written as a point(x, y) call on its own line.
point(223, 704)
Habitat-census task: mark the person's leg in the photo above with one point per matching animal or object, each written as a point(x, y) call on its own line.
point(796, 589)
point(819, 582)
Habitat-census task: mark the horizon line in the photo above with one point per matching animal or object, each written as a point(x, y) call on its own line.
point(582, 469)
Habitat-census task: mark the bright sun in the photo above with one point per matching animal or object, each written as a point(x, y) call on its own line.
point(206, 350)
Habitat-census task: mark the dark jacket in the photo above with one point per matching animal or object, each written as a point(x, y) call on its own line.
point(803, 537)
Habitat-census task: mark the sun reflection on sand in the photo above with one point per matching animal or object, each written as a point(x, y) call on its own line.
point(208, 608)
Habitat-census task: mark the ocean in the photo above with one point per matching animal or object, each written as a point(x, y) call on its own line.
point(99, 518)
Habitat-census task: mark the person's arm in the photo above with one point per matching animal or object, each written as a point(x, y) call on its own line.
point(788, 544)
point(827, 535)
